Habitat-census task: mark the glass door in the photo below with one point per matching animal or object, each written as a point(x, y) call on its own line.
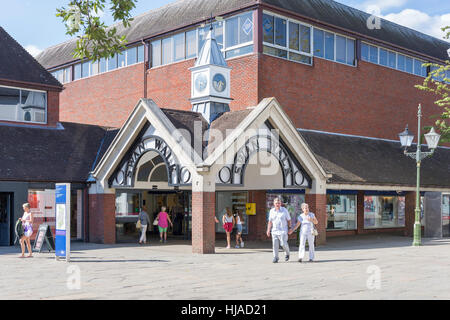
point(5, 219)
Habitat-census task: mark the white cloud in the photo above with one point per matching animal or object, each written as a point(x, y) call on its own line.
point(33, 50)
point(380, 5)
point(420, 21)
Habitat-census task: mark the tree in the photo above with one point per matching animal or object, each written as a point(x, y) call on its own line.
point(96, 40)
point(437, 82)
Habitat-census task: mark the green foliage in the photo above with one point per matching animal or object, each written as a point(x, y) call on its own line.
point(436, 82)
point(96, 40)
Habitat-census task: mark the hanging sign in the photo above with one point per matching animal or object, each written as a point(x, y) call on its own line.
point(250, 209)
point(62, 236)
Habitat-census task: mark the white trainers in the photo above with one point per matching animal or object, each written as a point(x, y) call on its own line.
point(237, 247)
point(242, 244)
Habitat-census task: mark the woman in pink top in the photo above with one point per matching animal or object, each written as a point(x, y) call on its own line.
point(163, 218)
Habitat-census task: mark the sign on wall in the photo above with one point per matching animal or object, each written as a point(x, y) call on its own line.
point(62, 234)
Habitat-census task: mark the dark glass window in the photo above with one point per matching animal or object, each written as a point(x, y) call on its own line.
point(294, 36)
point(401, 62)
point(275, 52)
point(392, 59)
point(364, 51)
point(373, 54)
point(351, 52)
point(383, 57)
point(409, 64)
point(329, 46)
point(305, 39)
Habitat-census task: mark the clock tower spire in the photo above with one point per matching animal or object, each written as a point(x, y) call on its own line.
point(210, 81)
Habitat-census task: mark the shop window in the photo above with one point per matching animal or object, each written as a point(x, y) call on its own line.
point(127, 204)
point(341, 212)
point(384, 212)
point(236, 201)
point(446, 215)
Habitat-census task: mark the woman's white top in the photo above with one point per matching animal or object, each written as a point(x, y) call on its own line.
point(306, 225)
point(238, 220)
point(228, 219)
point(26, 218)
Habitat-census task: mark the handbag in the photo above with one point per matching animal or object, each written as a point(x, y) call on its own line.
point(138, 224)
point(314, 232)
point(155, 222)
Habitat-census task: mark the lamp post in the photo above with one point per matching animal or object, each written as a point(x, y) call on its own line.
point(406, 139)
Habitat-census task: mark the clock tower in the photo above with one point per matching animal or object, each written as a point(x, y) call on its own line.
point(210, 81)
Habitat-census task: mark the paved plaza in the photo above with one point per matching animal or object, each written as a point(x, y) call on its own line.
point(362, 267)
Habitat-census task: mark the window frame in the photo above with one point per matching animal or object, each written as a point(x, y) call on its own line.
point(346, 52)
point(287, 48)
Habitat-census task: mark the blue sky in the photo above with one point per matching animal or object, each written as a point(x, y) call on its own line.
point(34, 25)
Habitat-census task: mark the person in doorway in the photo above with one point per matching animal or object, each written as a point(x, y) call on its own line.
point(279, 224)
point(145, 220)
point(27, 223)
point(239, 219)
point(228, 224)
point(307, 220)
point(163, 224)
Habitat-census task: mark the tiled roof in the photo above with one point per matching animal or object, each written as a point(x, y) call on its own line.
point(18, 65)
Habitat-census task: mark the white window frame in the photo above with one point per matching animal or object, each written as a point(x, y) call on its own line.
point(287, 48)
point(346, 38)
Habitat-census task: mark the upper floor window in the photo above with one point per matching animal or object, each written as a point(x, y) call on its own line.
point(286, 38)
point(392, 59)
point(233, 35)
point(334, 47)
point(23, 105)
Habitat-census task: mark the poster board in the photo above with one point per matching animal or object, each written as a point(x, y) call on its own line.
point(44, 235)
point(62, 236)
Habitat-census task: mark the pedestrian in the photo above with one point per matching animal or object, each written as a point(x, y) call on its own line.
point(27, 223)
point(279, 224)
point(307, 220)
point(239, 220)
point(163, 224)
point(145, 220)
point(228, 224)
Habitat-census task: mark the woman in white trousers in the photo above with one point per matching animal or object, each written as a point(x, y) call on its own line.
point(307, 220)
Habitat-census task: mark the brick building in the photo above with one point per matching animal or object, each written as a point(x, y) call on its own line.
point(342, 83)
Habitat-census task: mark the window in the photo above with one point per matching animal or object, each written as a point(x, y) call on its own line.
point(409, 64)
point(178, 47)
point(131, 56)
point(373, 54)
point(156, 53)
point(364, 51)
point(351, 52)
point(400, 62)
point(85, 69)
point(446, 215)
point(23, 105)
point(329, 45)
point(341, 50)
point(418, 69)
point(239, 30)
point(384, 212)
point(67, 75)
point(341, 212)
point(392, 59)
point(217, 32)
point(291, 201)
point(287, 39)
point(112, 63)
point(191, 44)
point(121, 59)
point(77, 71)
point(94, 68)
point(239, 51)
point(102, 65)
point(319, 48)
point(383, 57)
point(140, 53)
point(166, 50)
point(236, 202)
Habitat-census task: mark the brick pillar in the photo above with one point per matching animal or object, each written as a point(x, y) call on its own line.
point(203, 224)
point(102, 219)
point(318, 204)
point(410, 206)
point(257, 224)
point(360, 212)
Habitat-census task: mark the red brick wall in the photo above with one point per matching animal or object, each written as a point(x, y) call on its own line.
point(102, 225)
point(318, 204)
point(257, 225)
point(203, 224)
point(369, 100)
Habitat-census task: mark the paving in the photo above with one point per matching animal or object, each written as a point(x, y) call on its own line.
point(357, 267)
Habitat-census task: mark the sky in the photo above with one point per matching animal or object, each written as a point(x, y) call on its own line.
point(34, 25)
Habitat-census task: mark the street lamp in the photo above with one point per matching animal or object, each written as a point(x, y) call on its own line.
point(406, 139)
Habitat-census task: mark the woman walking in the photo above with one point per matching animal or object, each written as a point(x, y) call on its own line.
point(239, 220)
point(27, 223)
point(163, 219)
point(228, 224)
point(307, 220)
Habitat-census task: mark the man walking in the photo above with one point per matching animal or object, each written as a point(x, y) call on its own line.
point(279, 224)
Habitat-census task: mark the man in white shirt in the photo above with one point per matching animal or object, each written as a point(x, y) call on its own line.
point(279, 223)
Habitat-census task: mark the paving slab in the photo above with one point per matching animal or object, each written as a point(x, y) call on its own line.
point(357, 267)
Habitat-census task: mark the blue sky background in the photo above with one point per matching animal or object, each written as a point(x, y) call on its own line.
point(34, 25)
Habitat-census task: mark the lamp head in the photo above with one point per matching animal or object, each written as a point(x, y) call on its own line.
point(432, 138)
point(406, 138)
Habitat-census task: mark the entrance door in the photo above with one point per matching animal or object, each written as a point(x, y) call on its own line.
point(5, 219)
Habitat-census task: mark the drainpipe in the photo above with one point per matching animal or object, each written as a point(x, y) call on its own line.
point(146, 65)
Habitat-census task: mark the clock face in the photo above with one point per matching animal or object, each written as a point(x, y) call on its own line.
point(200, 82)
point(219, 82)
